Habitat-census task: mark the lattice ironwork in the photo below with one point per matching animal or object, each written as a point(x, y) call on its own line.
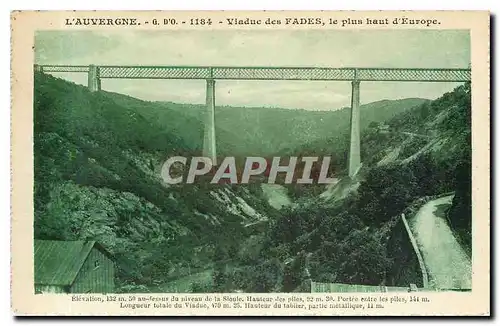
point(155, 72)
point(388, 74)
point(60, 68)
point(272, 73)
point(290, 73)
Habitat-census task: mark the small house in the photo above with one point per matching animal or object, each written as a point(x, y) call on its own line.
point(72, 267)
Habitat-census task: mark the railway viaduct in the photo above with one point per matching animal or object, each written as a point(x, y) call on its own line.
point(353, 75)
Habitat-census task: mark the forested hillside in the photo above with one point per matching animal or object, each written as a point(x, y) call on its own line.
point(268, 131)
point(97, 161)
point(97, 176)
point(420, 153)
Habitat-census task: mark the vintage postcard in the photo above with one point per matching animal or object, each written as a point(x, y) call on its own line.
point(250, 163)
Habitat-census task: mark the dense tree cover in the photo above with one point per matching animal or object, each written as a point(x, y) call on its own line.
point(96, 163)
point(459, 127)
point(387, 190)
point(453, 122)
point(329, 242)
point(346, 241)
point(259, 131)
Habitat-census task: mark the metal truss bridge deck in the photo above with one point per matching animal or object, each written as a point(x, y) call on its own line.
point(271, 73)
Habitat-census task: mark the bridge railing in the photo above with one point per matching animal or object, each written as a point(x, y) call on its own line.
point(272, 73)
point(423, 268)
point(423, 75)
point(61, 68)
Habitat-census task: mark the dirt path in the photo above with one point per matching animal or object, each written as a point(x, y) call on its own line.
point(446, 261)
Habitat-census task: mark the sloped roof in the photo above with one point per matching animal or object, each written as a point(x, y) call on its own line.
point(346, 288)
point(58, 262)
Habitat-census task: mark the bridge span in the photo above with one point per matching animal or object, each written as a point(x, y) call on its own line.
point(355, 75)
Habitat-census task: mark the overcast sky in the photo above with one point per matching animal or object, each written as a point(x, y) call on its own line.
point(318, 48)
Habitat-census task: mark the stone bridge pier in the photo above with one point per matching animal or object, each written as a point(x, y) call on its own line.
point(354, 159)
point(355, 139)
point(209, 141)
point(94, 79)
point(209, 149)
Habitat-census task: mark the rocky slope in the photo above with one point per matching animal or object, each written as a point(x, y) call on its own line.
point(97, 162)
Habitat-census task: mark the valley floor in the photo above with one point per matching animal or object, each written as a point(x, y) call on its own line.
point(276, 195)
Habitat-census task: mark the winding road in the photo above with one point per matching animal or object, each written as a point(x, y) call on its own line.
point(447, 263)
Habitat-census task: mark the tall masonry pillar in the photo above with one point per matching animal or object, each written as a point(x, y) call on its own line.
point(94, 81)
point(38, 68)
point(355, 149)
point(209, 134)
